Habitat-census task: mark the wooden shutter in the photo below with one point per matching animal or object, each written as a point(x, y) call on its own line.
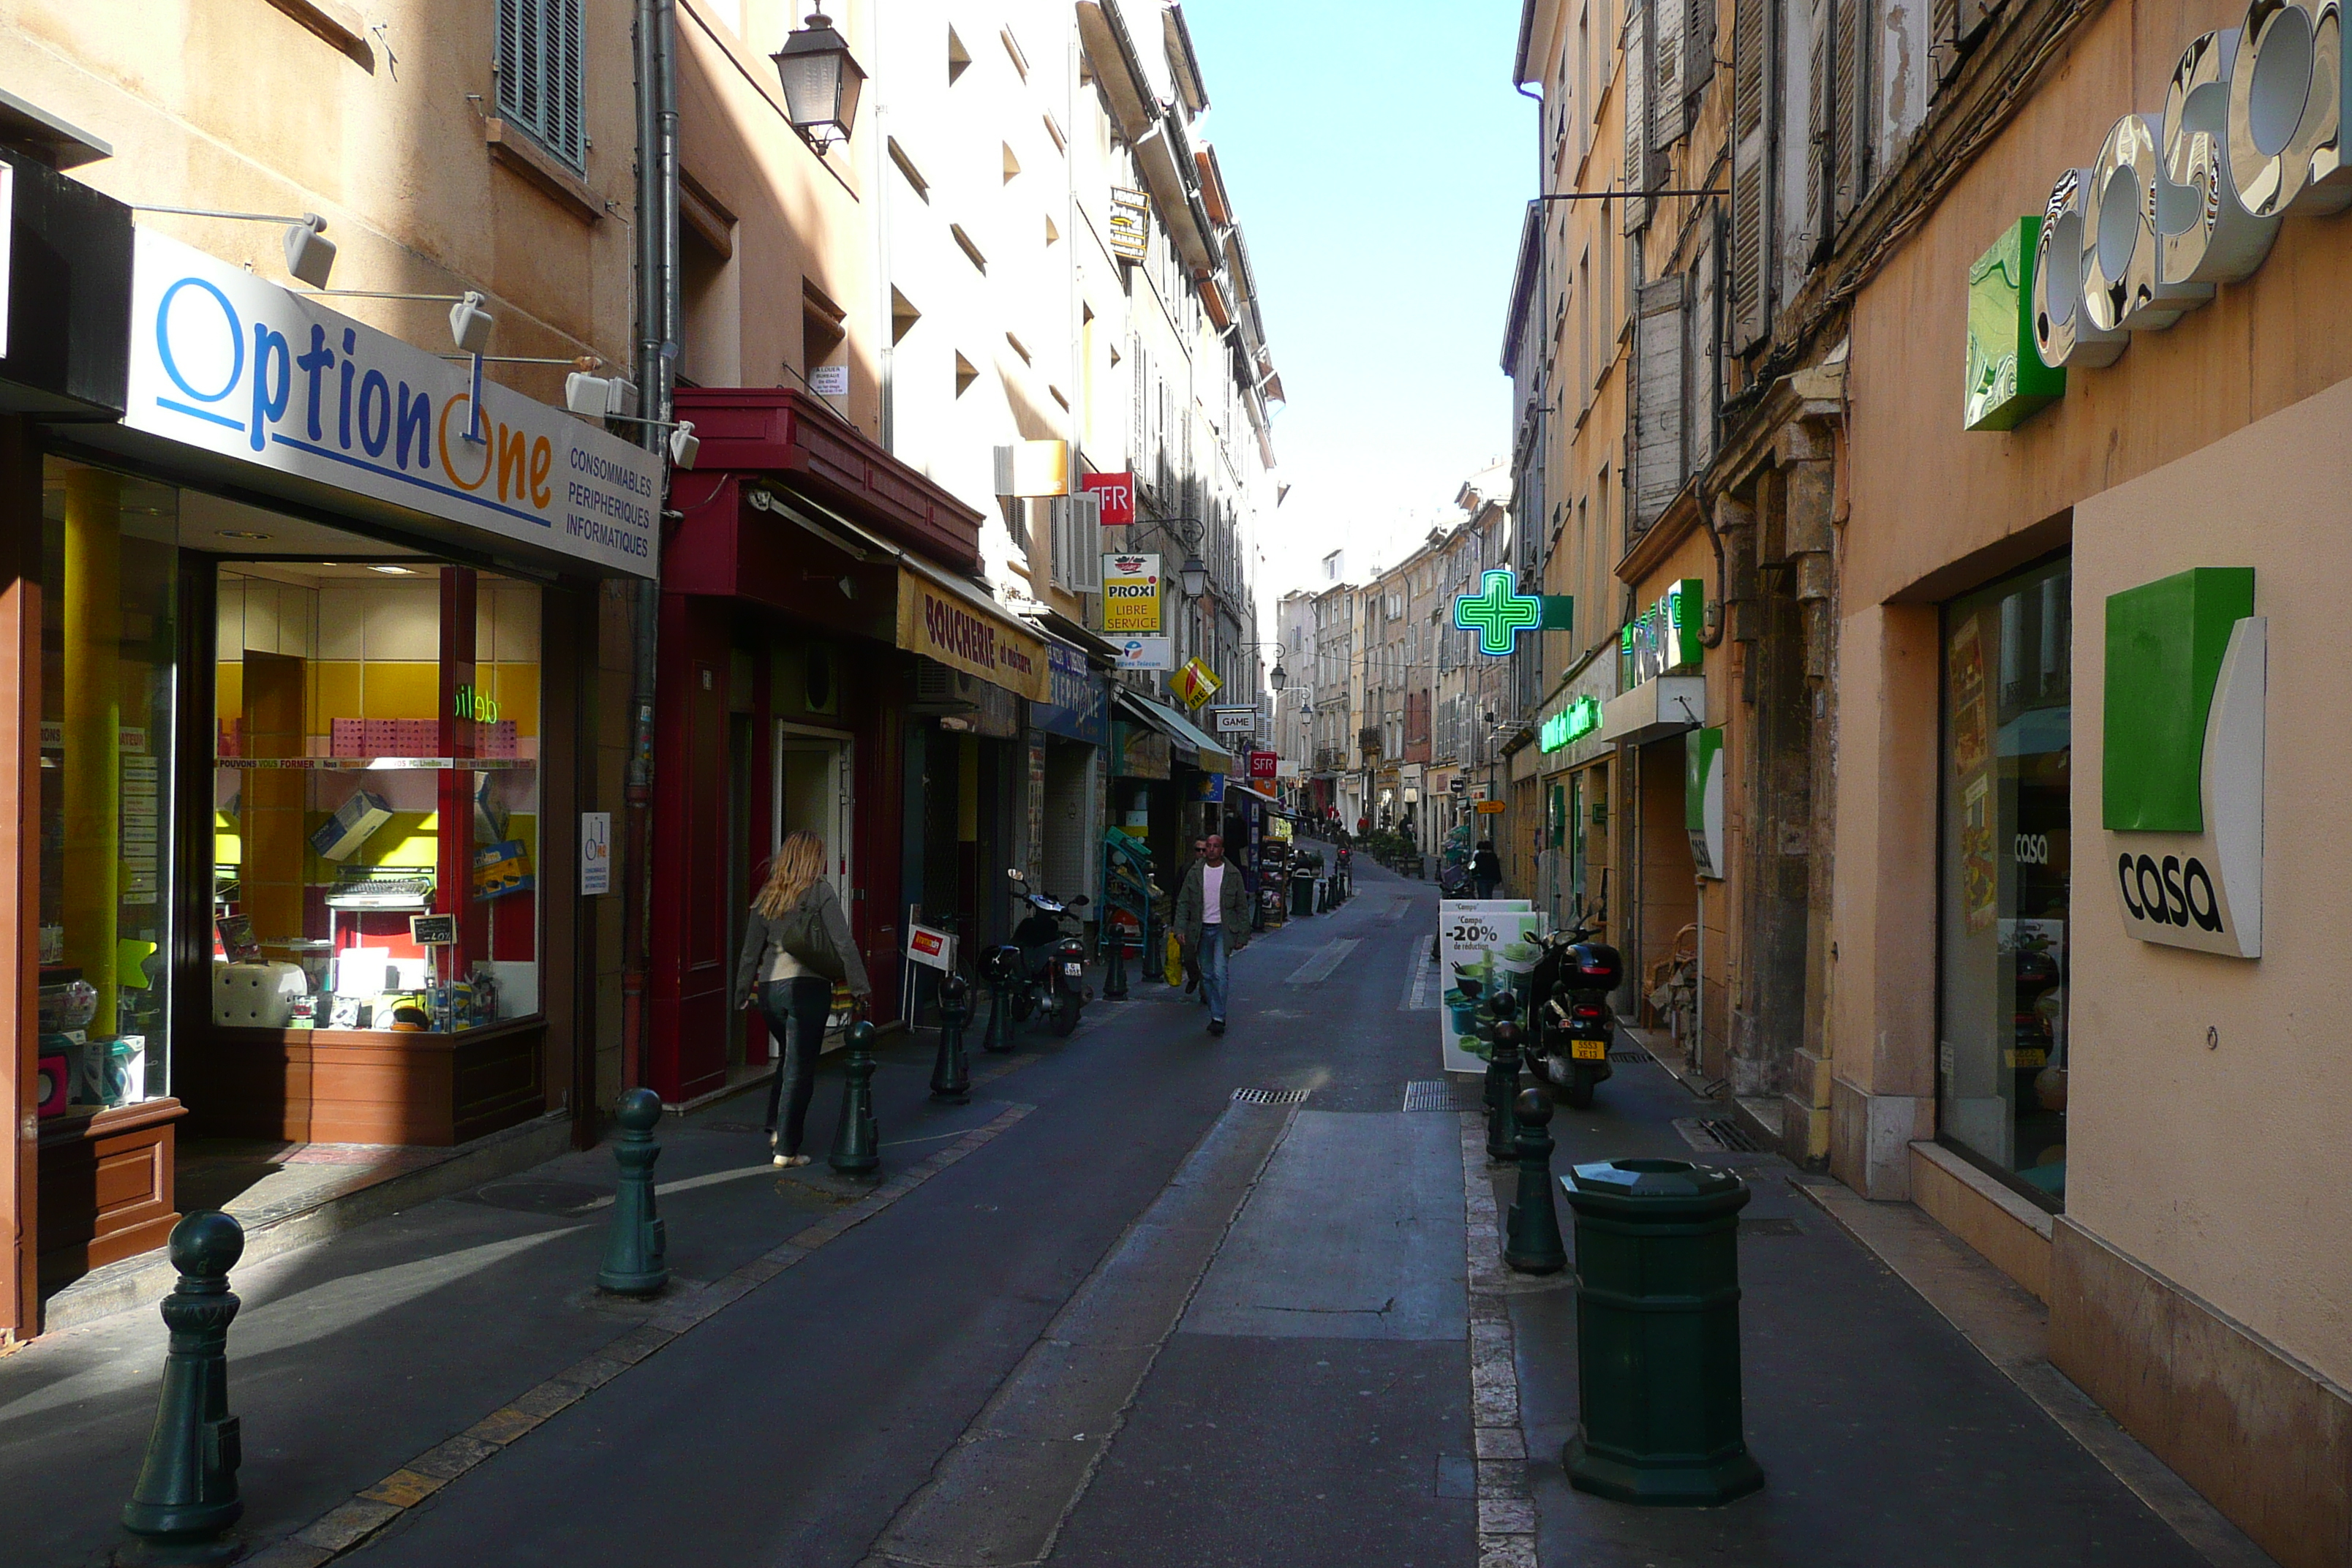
point(1702, 340)
point(1658, 463)
point(1636, 113)
point(1851, 166)
point(1818, 125)
point(1665, 91)
point(539, 70)
point(1751, 273)
point(1699, 54)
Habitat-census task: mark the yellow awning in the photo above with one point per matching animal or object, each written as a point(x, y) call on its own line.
point(964, 629)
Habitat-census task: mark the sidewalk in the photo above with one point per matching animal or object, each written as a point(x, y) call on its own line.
point(1886, 1436)
point(352, 1357)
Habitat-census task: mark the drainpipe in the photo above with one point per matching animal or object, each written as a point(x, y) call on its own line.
point(656, 360)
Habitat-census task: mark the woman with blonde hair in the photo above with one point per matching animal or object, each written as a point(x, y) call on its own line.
point(796, 945)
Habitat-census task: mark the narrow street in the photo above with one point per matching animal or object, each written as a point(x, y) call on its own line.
point(1206, 1295)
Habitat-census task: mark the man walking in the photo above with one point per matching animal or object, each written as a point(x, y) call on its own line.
point(1213, 921)
point(1486, 868)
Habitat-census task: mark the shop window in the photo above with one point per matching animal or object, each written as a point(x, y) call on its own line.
point(375, 795)
point(108, 642)
point(2006, 741)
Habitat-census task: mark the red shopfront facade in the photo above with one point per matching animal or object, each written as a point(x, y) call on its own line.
point(784, 698)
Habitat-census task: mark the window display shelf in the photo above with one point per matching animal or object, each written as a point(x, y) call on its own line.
point(370, 765)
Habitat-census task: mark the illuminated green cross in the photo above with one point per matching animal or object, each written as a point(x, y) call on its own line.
point(1499, 614)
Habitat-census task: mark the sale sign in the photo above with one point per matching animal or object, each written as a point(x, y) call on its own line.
point(1117, 492)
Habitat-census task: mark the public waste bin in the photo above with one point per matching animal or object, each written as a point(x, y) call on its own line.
point(1657, 1331)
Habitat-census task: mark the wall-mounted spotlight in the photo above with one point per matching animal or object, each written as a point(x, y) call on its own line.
point(309, 254)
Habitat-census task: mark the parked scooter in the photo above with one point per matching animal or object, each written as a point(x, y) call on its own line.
point(1042, 969)
point(1574, 1025)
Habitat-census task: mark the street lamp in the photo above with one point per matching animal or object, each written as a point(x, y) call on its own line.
point(1194, 572)
point(821, 81)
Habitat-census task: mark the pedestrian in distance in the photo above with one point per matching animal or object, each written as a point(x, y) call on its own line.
point(1191, 968)
point(1213, 918)
point(1486, 868)
point(797, 946)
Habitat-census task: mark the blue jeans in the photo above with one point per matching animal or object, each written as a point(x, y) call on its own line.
point(796, 1010)
point(1212, 970)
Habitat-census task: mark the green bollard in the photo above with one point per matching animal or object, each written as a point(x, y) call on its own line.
point(1000, 1019)
point(857, 1142)
point(951, 1073)
point(186, 1498)
point(1114, 964)
point(1502, 1088)
point(1532, 1244)
point(635, 1254)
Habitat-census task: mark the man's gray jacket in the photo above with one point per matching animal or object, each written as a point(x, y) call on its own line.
point(1233, 908)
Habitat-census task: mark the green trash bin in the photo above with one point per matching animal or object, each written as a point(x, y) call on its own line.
point(1657, 1333)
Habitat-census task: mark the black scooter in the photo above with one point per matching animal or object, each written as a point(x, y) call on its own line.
point(1043, 968)
point(1574, 1025)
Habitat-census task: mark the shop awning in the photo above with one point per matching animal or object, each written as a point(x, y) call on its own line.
point(1209, 756)
point(940, 615)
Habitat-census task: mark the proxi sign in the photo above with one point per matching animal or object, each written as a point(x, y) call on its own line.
point(237, 365)
point(2252, 133)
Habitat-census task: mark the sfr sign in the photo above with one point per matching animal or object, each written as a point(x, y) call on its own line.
point(1117, 493)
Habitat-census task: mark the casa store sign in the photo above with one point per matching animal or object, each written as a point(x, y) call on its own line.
point(2181, 763)
point(2253, 132)
point(235, 365)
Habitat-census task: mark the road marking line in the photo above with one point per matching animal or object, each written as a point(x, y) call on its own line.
point(349, 1524)
point(1416, 996)
point(1035, 1448)
point(1329, 958)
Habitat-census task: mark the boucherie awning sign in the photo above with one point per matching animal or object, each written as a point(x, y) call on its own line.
point(2252, 133)
point(242, 368)
point(943, 624)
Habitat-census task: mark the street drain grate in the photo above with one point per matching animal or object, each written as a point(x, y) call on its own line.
point(1729, 1135)
point(1438, 1094)
point(1269, 1096)
point(1629, 1055)
point(1772, 1225)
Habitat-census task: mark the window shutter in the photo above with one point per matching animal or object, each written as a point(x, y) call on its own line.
point(1817, 123)
point(1751, 227)
point(1701, 338)
point(1666, 94)
point(540, 71)
point(1944, 40)
point(1852, 136)
point(1086, 543)
point(1637, 117)
point(1699, 54)
point(1658, 348)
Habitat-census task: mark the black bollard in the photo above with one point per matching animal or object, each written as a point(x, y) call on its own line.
point(186, 1498)
point(635, 1254)
point(1531, 1240)
point(1502, 1088)
point(1114, 964)
point(951, 1073)
point(999, 1019)
point(857, 1142)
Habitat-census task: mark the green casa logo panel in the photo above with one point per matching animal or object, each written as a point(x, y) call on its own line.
point(2006, 380)
point(2180, 787)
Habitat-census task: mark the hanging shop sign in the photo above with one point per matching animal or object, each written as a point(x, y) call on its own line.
point(1703, 799)
point(2006, 380)
point(1499, 612)
point(1664, 638)
point(2181, 766)
point(1195, 683)
point(1129, 225)
point(1147, 653)
point(1264, 765)
point(1131, 594)
point(941, 624)
point(1138, 751)
point(1209, 787)
point(1115, 493)
point(1233, 720)
point(2252, 133)
point(235, 365)
point(1570, 724)
point(1079, 708)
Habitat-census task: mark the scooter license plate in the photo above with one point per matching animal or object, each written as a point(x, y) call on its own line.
point(1074, 968)
point(1588, 1050)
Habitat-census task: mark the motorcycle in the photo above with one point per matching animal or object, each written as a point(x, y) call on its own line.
point(1043, 968)
point(1571, 988)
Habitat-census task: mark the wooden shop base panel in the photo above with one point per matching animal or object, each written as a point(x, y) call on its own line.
point(364, 1086)
point(105, 1186)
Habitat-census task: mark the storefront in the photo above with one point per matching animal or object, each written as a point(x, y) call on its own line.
point(825, 666)
point(314, 633)
point(1190, 803)
point(1573, 759)
point(1069, 737)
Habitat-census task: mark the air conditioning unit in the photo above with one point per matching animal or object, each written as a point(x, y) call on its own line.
point(942, 692)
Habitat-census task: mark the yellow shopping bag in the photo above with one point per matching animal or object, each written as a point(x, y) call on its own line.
point(1175, 971)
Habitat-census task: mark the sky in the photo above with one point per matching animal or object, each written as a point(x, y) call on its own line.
point(1379, 162)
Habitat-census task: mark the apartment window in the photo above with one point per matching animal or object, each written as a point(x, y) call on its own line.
point(540, 74)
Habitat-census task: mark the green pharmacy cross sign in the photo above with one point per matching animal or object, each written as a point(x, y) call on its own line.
point(1499, 612)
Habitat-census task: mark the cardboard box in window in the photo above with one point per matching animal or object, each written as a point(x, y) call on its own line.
point(494, 739)
point(339, 836)
point(500, 869)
